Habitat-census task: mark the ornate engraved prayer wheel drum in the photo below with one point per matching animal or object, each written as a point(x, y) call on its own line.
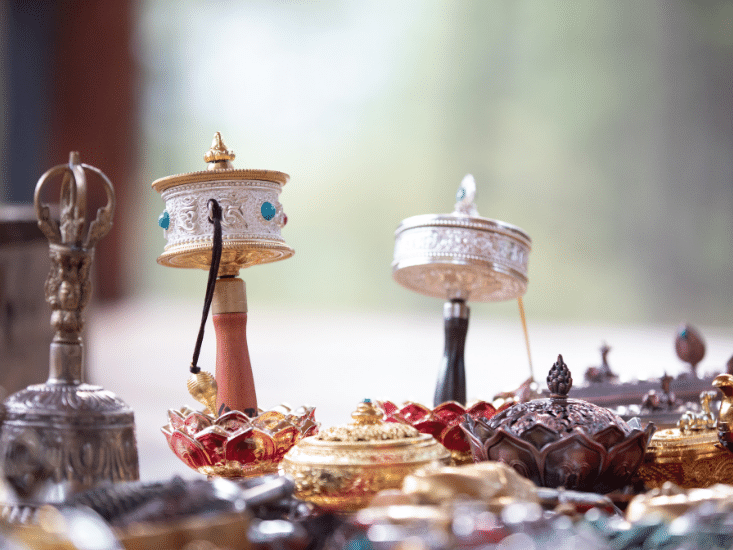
point(455, 256)
point(459, 257)
point(252, 216)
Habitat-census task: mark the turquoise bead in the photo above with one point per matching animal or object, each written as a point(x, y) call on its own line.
point(268, 210)
point(164, 220)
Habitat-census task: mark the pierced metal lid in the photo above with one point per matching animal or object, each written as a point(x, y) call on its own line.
point(461, 255)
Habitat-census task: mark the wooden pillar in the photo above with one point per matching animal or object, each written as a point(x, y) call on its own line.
point(93, 112)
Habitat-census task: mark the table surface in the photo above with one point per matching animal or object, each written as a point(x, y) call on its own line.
point(333, 359)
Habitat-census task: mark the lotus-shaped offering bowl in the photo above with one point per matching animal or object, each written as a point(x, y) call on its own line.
point(235, 445)
point(561, 442)
point(443, 422)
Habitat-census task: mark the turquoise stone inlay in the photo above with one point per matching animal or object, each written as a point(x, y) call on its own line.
point(164, 220)
point(268, 210)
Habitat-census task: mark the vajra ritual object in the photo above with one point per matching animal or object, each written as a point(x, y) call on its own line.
point(460, 257)
point(238, 212)
point(65, 436)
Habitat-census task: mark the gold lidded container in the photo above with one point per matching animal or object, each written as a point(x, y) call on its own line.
point(692, 459)
point(690, 456)
point(343, 467)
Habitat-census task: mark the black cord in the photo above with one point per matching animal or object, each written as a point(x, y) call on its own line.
point(214, 218)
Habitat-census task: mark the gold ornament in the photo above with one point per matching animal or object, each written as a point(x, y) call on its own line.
point(342, 468)
point(202, 387)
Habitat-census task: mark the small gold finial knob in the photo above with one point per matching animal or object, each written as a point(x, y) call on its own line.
point(367, 413)
point(218, 156)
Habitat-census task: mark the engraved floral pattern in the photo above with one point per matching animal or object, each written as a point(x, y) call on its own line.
point(462, 243)
point(461, 262)
point(241, 201)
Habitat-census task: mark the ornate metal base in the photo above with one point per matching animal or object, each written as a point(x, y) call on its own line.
point(58, 440)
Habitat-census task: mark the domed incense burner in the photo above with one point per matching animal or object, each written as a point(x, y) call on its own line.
point(251, 219)
point(343, 467)
point(562, 442)
point(66, 436)
point(459, 257)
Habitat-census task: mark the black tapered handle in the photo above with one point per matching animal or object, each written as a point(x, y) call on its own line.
point(451, 384)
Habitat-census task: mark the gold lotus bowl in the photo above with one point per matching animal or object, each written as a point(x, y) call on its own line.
point(687, 459)
point(344, 476)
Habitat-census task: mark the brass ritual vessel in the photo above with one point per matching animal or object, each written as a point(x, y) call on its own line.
point(66, 436)
point(690, 456)
point(670, 501)
point(343, 467)
point(459, 257)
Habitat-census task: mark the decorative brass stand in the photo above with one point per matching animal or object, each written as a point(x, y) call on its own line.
point(66, 436)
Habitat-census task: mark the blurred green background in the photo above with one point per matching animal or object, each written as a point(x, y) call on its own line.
point(604, 129)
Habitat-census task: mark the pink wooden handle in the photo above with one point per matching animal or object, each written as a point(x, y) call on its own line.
point(236, 385)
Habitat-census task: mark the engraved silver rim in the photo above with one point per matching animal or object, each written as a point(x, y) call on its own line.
point(465, 222)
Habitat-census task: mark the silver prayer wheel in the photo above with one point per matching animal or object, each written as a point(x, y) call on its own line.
point(459, 257)
point(252, 218)
point(65, 436)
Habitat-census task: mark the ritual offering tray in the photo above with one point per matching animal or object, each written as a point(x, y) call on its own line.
point(658, 399)
point(560, 441)
point(443, 422)
point(343, 467)
point(235, 445)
